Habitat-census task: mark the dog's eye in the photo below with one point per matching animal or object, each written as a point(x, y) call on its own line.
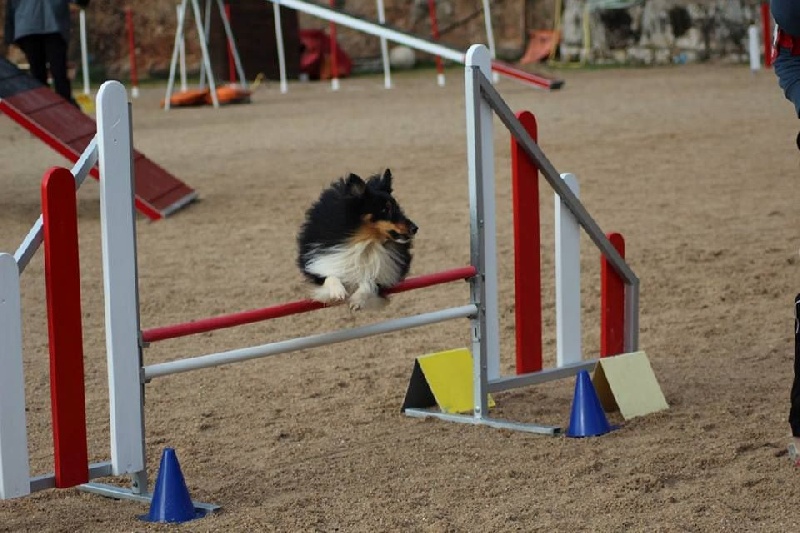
point(387, 209)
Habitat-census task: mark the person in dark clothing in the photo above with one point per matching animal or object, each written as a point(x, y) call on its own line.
point(787, 68)
point(40, 28)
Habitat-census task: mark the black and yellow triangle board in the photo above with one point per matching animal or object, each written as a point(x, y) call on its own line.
point(443, 379)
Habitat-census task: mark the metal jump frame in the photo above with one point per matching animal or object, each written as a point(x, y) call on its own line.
point(481, 101)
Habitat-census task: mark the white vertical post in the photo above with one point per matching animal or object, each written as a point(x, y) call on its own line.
point(387, 76)
point(118, 234)
point(754, 47)
point(232, 43)
point(14, 467)
point(568, 279)
point(487, 19)
point(182, 51)
point(84, 52)
point(179, 39)
point(203, 38)
point(276, 10)
point(483, 228)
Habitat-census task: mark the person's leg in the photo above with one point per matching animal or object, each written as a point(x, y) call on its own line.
point(34, 49)
point(794, 410)
point(56, 50)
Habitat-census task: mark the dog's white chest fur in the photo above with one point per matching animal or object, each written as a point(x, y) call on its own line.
point(358, 264)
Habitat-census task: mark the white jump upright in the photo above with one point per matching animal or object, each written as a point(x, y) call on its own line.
point(120, 278)
point(14, 469)
point(483, 230)
point(568, 279)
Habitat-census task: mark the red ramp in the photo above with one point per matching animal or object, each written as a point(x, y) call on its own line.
point(68, 131)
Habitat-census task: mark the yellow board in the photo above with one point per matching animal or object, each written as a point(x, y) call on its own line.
point(627, 383)
point(447, 377)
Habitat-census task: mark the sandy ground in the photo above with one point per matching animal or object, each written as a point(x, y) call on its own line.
point(695, 165)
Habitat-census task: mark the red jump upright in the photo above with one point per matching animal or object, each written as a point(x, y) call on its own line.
point(62, 284)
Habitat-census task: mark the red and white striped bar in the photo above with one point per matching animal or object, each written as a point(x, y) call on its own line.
point(291, 308)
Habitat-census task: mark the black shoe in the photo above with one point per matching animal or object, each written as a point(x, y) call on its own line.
point(798, 141)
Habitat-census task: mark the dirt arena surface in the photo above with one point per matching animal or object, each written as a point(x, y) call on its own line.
point(695, 165)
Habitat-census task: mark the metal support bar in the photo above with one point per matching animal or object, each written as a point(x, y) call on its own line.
point(542, 376)
point(485, 421)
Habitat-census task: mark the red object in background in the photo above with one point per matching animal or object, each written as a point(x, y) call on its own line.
point(316, 56)
point(766, 31)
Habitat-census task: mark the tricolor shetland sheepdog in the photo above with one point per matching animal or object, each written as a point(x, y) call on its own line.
point(355, 242)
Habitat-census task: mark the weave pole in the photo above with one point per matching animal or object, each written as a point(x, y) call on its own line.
point(62, 283)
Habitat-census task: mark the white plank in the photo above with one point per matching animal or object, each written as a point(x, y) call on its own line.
point(14, 467)
point(568, 279)
point(119, 277)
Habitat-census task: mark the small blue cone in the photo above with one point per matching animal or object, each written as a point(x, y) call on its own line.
point(171, 501)
point(588, 419)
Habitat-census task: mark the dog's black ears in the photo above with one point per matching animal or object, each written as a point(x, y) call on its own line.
point(384, 182)
point(354, 185)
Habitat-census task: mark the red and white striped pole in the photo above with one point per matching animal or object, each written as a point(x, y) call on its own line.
point(435, 35)
point(334, 60)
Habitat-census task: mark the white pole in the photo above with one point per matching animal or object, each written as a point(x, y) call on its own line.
point(387, 76)
point(14, 466)
point(201, 33)
point(118, 236)
point(568, 279)
point(232, 43)
point(175, 49)
point(84, 52)
point(487, 19)
point(754, 47)
point(483, 226)
point(182, 53)
point(276, 10)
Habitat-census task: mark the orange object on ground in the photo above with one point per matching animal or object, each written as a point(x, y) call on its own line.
point(230, 94)
point(189, 97)
point(540, 46)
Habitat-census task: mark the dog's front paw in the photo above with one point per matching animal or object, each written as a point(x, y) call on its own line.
point(367, 300)
point(332, 292)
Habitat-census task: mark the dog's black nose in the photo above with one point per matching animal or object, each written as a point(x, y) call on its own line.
point(412, 228)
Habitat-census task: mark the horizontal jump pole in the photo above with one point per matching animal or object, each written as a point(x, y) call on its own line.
point(291, 308)
point(303, 343)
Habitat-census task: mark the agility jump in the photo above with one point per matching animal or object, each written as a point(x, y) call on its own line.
point(125, 339)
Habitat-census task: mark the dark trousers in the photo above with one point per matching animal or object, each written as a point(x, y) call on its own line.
point(48, 50)
point(794, 410)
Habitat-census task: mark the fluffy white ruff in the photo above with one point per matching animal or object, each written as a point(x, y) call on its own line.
point(354, 270)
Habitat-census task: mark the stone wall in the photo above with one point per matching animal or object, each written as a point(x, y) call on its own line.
point(659, 31)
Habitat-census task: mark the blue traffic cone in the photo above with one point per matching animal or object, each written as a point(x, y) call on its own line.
point(171, 501)
point(588, 419)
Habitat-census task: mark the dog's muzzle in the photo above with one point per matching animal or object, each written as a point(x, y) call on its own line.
point(404, 238)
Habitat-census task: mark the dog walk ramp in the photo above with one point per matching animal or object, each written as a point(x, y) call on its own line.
point(337, 16)
point(68, 131)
